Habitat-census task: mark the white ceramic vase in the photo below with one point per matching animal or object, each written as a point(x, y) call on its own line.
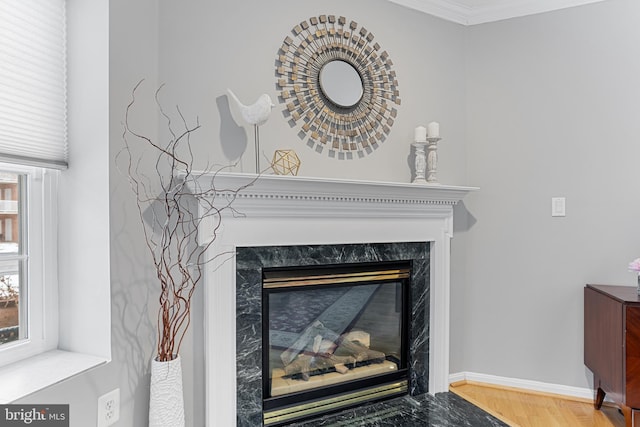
point(166, 403)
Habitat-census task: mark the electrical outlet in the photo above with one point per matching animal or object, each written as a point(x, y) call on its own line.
point(109, 408)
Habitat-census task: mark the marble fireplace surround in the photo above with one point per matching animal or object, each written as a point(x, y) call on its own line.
point(298, 211)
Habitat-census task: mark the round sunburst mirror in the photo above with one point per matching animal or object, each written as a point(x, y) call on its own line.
point(337, 86)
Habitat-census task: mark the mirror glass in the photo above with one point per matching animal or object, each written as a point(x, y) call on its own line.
point(341, 83)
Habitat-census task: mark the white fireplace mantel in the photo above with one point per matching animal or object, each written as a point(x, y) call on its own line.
point(275, 190)
point(284, 210)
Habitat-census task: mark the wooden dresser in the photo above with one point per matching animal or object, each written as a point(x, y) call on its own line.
point(612, 346)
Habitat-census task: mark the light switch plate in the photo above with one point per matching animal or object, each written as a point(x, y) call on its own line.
point(558, 206)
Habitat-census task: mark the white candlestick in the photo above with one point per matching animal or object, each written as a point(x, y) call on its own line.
point(420, 163)
point(432, 160)
point(420, 134)
point(434, 130)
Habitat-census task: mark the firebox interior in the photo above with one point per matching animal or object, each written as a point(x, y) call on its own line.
point(335, 335)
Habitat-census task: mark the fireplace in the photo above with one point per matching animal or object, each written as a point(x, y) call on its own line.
point(392, 276)
point(283, 222)
point(333, 336)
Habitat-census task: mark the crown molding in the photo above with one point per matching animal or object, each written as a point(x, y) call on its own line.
point(445, 9)
point(498, 10)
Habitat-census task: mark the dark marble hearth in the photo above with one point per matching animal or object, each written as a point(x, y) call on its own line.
point(441, 410)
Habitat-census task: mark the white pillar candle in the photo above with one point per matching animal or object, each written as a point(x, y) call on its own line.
point(420, 134)
point(434, 130)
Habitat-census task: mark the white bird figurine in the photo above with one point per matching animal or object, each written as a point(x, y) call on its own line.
point(256, 113)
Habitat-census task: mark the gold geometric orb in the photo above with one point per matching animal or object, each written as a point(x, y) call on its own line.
point(285, 162)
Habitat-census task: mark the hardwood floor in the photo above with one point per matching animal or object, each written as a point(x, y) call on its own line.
point(520, 408)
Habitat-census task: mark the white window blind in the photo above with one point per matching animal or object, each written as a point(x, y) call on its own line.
point(33, 110)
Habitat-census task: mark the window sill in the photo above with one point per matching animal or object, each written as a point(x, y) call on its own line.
point(35, 373)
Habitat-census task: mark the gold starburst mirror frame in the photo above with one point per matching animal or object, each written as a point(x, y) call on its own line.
point(338, 89)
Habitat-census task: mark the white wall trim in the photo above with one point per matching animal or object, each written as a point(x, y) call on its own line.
point(460, 13)
point(84, 239)
point(538, 386)
point(446, 10)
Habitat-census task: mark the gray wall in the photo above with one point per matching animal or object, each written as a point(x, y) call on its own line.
point(552, 110)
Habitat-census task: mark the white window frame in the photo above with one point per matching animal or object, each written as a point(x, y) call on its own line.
point(38, 211)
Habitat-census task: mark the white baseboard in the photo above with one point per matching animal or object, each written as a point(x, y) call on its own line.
point(564, 390)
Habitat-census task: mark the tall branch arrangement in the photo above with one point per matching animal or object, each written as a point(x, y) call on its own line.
point(174, 205)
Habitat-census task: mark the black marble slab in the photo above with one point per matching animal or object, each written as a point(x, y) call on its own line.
point(249, 264)
point(424, 410)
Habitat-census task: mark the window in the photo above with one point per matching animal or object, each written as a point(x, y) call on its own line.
point(27, 252)
point(33, 147)
point(13, 258)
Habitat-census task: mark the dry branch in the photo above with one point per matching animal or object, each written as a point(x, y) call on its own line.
point(169, 194)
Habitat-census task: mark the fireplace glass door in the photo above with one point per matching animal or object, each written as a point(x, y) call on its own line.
point(334, 333)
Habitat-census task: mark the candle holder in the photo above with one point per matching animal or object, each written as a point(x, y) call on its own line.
point(420, 163)
point(432, 160)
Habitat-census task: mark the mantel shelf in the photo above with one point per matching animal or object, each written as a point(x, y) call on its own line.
point(337, 190)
